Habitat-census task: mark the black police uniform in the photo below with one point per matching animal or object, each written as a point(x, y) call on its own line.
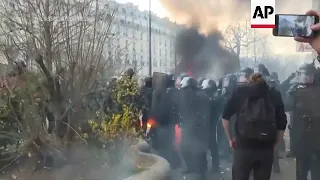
point(305, 95)
point(228, 86)
point(209, 91)
point(194, 113)
point(146, 100)
point(167, 118)
point(284, 88)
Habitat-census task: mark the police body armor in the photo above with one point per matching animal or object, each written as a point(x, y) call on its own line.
point(306, 117)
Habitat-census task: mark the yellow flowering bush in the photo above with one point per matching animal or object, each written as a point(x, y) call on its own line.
point(121, 122)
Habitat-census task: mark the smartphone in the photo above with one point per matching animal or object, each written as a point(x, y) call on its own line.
point(291, 25)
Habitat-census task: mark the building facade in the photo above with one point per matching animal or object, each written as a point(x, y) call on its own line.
point(130, 41)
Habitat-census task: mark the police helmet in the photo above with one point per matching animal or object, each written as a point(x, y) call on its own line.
point(201, 80)
point(148, 81)
point(244, 74)
point(229, 80)
point(179, 79)
point(305, 74)
point(188, 82)
point(170, 80)
point(208, 84)
point(261, 68)
point(274, 76)
point(171, 77)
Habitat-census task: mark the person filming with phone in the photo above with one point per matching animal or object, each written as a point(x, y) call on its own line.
point(315, 40)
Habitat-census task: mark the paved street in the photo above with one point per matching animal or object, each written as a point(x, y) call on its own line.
point(287, 168)
point(287, 171)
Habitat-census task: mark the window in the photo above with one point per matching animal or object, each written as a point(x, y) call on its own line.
point(122, 21)
point(118, 29)
point(141, 36)
point(126, 43)
point(127, 59)
point(141, 48)
point(134, 46)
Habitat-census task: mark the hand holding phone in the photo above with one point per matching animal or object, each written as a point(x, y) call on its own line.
point(292, 25)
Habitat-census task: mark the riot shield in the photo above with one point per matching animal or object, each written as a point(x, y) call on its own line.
point(159, 81)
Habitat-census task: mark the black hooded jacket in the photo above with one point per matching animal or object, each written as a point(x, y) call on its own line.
point(253, 91)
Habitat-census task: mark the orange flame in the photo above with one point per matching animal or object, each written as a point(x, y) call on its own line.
point(151, 123)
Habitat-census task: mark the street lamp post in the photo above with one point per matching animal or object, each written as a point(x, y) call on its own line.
point(150, 53)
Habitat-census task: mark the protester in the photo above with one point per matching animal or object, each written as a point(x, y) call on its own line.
point(254, 143)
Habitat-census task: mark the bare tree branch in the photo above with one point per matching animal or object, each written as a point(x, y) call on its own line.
point(238, 36)
point(65, 41)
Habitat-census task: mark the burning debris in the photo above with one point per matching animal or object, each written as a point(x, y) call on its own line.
point(203, 54)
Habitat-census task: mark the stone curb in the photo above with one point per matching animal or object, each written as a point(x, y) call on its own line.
point(159, 171)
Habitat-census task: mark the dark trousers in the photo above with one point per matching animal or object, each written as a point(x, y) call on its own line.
point(214, 153)
point(305, 162)
point(165, 146)
point(246, 160)
point(196, 162)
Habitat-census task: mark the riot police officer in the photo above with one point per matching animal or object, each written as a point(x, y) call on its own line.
point(167, 119)
point(209, 91)
point(229, 84)
point(146, 100)
point(304, 103)
point(194, 112)
point(284, 87)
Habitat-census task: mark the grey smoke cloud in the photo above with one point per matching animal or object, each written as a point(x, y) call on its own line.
point(202, 54)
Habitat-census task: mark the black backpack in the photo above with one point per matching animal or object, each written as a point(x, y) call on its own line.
point(256, 119)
